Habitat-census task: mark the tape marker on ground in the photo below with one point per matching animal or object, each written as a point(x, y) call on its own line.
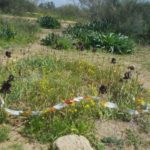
point(66, 103)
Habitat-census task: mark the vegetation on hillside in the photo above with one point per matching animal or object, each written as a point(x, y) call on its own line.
point(17, 32)
point(17, 6)
point(49, 77)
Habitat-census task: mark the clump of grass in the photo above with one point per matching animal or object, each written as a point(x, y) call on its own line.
point(3, 116)
point(132, 138)
point(64, 43)
point(57, 42)
point(4, 131)
point(50, 40)
point(113, 140)
point(144, 123)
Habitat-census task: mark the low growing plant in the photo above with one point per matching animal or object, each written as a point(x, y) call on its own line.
point(50, 40)
point(2, 116)
point(4, 131)
point(64, 43)
point(57, 41)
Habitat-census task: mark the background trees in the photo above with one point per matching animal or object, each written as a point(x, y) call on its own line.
point(130, 17)
point(17, 6)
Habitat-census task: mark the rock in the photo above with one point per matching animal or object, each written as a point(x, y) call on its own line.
point(72, 142)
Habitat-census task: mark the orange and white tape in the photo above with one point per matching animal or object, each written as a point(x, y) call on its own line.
point(66, 103)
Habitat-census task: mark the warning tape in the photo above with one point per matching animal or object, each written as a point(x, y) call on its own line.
point(68, 102)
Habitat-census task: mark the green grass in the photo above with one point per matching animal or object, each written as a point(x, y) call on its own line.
point(25, 32)
point(43, 81)
point(4, 131)
point(39, 88)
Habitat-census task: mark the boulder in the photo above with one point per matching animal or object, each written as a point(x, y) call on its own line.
point(72, 142)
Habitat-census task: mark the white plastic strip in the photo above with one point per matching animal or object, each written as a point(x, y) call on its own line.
point(60, 106)
point(111, 105)
point(13, 112)
point(66, 103)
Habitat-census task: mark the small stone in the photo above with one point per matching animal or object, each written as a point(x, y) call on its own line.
point(72, 142)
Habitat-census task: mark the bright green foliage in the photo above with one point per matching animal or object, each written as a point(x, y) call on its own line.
point(49, 22)
point(117, 43)
point(49, 127)
point(64, 43)
point(89, 35)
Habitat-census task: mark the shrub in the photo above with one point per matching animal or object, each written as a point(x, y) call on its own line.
point(50, 39)
point(49, 22)
point(91, 37)
point(118, 43)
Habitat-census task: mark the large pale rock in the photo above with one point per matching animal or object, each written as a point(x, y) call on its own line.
point(72, 142)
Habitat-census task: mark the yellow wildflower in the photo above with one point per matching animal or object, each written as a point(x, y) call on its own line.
point(103, 103)
point(140, 101)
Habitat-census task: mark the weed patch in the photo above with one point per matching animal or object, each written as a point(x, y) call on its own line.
point(4, 131)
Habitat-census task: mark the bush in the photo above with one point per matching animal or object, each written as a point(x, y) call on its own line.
point(49, 22)
point(91, 36)
point(49, 40)
point(118, 43)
